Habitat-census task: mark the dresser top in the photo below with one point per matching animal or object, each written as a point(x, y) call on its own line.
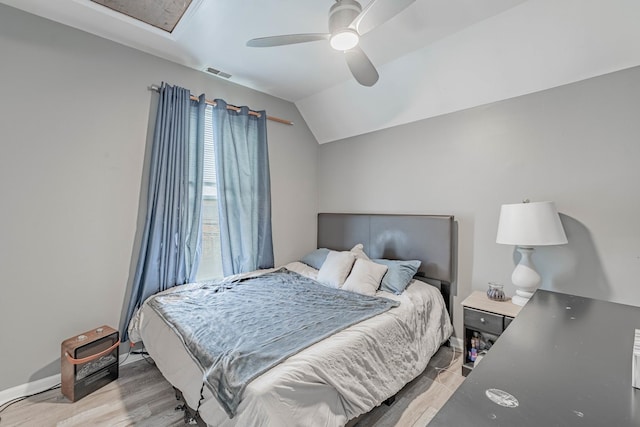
point(566, 360)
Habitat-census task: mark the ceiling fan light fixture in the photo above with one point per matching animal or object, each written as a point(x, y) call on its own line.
point(347, 22)
point(344, 40)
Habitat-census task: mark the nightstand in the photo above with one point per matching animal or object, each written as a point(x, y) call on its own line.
point(486, 319)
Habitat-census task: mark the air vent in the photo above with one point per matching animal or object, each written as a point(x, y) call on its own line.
point(218, 73)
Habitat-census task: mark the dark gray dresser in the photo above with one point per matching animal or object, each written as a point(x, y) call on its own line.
point(565, 359)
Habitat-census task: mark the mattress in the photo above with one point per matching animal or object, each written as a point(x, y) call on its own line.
point(326, 384)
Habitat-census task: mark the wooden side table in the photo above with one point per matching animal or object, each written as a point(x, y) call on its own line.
point(483, 316)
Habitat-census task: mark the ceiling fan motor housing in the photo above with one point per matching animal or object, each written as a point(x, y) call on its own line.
point(342, 13)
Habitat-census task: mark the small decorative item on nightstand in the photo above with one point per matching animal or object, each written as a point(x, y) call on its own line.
point(496, 292)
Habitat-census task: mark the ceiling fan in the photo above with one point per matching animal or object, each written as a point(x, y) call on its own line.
point(348, 21)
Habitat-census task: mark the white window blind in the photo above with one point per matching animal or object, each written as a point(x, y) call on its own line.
point(210, 266)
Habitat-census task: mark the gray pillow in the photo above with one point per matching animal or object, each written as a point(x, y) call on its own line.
point(316, 258)
point(398, 275)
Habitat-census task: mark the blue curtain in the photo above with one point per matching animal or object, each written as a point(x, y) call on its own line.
point(244, 189)
point(170, 250)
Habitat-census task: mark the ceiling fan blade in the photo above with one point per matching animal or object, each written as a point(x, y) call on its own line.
point(286, 39)
point(361, 67)
point(376, 13)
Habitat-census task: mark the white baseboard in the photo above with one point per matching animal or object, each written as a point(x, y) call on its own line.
point(45, 383)
point(28, 388)
point(456, 343)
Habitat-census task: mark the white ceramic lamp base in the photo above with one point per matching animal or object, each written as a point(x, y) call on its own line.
point(524, 277)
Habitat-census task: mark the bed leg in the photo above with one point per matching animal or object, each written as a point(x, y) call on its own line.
point(191, 417)
point(178, 393)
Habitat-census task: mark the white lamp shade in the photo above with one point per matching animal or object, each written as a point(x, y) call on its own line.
point(530, 224)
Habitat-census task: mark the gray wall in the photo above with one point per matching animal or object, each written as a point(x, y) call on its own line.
point(577, 145)
point(74, 113)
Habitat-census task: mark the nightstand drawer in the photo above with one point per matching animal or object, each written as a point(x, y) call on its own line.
point(484, 321)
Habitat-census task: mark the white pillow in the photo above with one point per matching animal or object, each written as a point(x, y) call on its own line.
point(365, 277)
point(303, 269)
point(336, 268)
point(358, 251)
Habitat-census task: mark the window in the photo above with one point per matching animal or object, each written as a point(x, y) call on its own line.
point(210, 260)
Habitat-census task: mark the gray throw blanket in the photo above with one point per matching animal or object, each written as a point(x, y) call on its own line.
point(238, 330)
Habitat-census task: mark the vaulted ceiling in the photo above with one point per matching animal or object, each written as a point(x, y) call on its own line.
point(435, 57)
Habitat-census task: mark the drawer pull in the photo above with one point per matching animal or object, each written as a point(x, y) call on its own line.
point(482, 320)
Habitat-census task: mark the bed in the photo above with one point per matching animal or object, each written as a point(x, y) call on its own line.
point(351, 371)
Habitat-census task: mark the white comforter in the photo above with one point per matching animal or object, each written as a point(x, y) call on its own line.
point(327, 384)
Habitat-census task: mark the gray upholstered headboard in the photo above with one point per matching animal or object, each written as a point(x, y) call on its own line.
point(428, 238)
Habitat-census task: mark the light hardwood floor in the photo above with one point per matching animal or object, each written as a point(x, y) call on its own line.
point(142, 397)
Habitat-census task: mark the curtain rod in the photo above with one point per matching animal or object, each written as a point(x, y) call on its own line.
point(233, 107)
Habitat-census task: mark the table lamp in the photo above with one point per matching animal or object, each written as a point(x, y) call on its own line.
point(526, 225)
